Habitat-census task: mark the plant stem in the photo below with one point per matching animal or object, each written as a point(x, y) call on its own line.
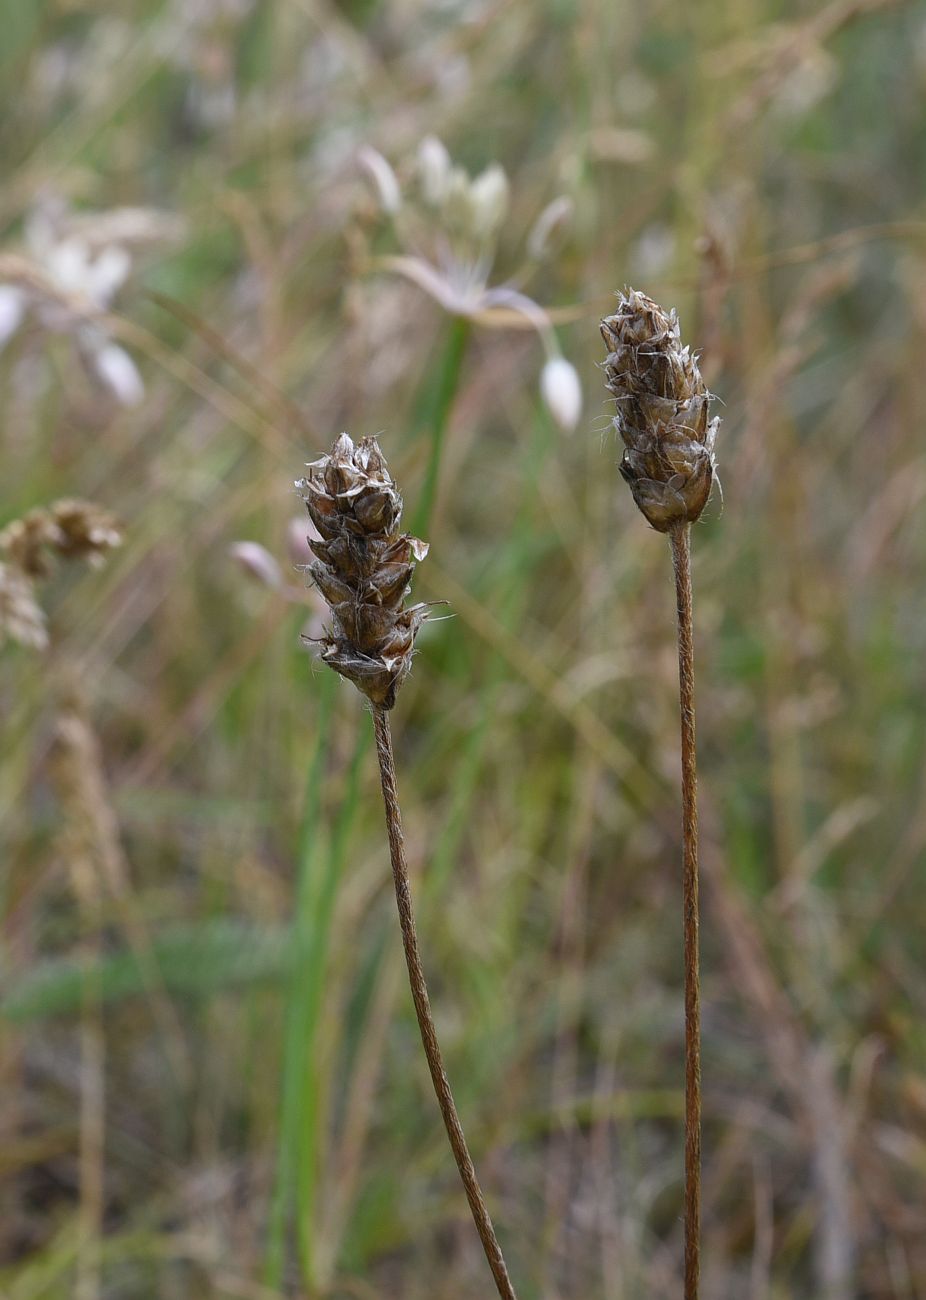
point(436, 416)
point(681, 561)
point(423, 1009)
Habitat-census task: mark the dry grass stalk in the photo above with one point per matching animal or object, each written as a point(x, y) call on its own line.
point(363, 568)
point(805, 1075)
point(668, 462)
point(85, 883)
point(92, 838)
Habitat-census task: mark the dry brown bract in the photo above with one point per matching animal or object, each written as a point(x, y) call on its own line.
point(363, 567)
point(662, 412)
point(73, 530)
point(21, 617)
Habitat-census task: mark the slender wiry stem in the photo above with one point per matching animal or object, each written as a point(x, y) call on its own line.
point(681, 560)
point(423, 1009)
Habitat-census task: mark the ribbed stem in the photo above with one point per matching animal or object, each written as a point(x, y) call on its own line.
point(423, 1009)
point(681, 560)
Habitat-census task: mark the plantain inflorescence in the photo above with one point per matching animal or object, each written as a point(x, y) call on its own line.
point(363, 567)
point(662, 412)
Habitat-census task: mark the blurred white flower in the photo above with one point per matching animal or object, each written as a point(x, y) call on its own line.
point(488, 200)
point(456, 210)
point(298, 532)
point(553, 219)
point(257, 561)
point(119, 373)
point(71, 269)
point(434, 168)
point(562, 392)
point(259, 564)
point(383, 178)
point(654, 250)
point(12, 311)
point(448, 227)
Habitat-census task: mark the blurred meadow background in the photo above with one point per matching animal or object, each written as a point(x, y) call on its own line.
point(233, 228)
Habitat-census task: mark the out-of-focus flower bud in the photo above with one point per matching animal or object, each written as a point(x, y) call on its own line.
point(434, 170)
point(552, 221)
point(488, 201)
point(562, 392)
point(119, 373)
point(257, 561)
point(299, 531)
point(383, 178)
point(12, 311)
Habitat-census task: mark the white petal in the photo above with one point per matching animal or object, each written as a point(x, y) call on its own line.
point(108, 273)
point(12, 310)
point(258, 562)
point(68, 263)
point(383, 178)
point(432, 282)
point(434, 168)
point(41, 228)
point(300, 531)
point(562, 392)
point(119, 373)
point(551, 221)
point(488, 200)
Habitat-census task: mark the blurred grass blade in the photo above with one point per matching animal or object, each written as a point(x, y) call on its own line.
point(196, 960)
point(293, 1048)
point(435, 410)
point(311, 1110)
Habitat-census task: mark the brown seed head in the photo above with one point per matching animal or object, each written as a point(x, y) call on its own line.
point(75, 530)
point(662, 412)
point(82, 531)
point(363, 567)
point(21, 618)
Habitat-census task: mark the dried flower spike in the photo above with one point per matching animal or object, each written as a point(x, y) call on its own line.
point(662, 412)
point(21, 617)
point(662, 417)
point(74, 530)
point(363, 567)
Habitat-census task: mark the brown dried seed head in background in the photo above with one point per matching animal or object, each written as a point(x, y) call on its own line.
point(76, 530)
point(83, 531)
point(25, 542)
point(21, 618)
point(662, 412)
point(72, 529)
point(363, 567)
